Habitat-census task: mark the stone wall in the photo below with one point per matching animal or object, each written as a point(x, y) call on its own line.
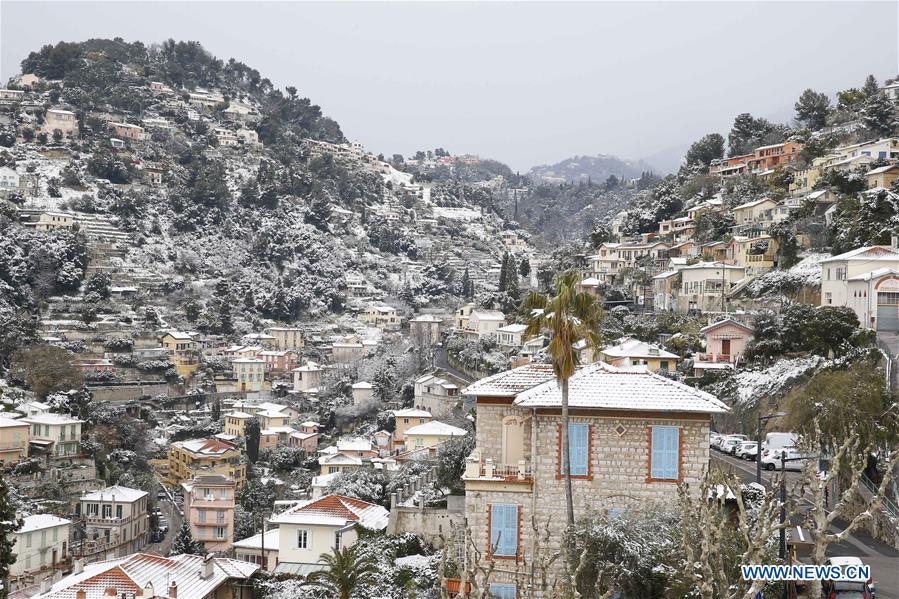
point(128, 392)
point(619, 463)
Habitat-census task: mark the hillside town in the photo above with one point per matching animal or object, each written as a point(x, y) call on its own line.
point(243, 356)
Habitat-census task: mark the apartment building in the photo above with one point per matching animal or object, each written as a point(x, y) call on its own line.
point(287, 338)
point(634, 437)
point(209, 510)
point(55, 435)
point(199, 457)
point(13, 440)
point(40, 545)
point(865, 279)
point(705, 286)
point(116, 522)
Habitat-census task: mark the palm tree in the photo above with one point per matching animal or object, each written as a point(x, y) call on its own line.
point(345, 570)
point(571, 317)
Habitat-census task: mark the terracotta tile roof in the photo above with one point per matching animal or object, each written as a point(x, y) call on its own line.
point(335, 510)
point(511, 382)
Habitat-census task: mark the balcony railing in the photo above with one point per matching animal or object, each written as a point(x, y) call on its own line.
point(716, 357)
point(475, 469)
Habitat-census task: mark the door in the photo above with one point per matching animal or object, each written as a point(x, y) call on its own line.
point(725, 348)
point(887, 311)
point(53, 563)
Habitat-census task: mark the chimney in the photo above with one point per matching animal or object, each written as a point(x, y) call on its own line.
point(173, 589)
point(45, 585)
point(208, 566)
point(149, 591)
point(78, 566)
point(81, 594)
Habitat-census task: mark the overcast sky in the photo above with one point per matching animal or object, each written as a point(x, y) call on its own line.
point(523, 83)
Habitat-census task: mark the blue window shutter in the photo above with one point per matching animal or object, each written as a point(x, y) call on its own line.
point(504, 529)
point(578, 449)
point(665, 450)
point(503, 591)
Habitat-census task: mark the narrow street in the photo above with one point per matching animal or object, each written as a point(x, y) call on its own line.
point(170, 512)
point(883, 559)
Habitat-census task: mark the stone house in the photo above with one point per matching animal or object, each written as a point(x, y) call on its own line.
point(634, 436)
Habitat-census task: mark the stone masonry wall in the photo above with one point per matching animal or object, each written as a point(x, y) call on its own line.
point(619, 466)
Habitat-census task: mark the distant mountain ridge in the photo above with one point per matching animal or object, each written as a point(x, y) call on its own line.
point(582, 168)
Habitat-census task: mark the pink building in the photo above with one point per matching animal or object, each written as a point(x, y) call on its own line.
point(277, 361)
point(306, 438)
point(209, 510)
point(725, 343)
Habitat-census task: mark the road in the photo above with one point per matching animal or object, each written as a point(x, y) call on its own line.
point(171, 513)
point(441, 360)
point(883, 559)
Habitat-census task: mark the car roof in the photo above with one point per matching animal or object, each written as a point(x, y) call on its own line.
point(845, 560)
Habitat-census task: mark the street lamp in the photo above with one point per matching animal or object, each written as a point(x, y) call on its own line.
point(758, 449)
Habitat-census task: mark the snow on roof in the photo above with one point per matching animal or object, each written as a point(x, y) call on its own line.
point(362, 385)
point(487, 314)
point(883, 169)
point(590, 282)
point(411, 413)
point(51, 418)
point(868, 252)
point(324, 480)
point(512, 328)
point(308, 367)
point(700, 265)
point(41, 521)
point(205, 446)
point(115, 492)
point(238, 414)
point(754, 203)
point(720, 323)
point(276, 407)
point(425, 318)
point(435, 428)
point(665, 275)
point(272, 414)
point(873, 274)
point(132, 574)
point(179, 335)
point(309, 423)
point(255, 542)
point(10, 422)
point(511, 382)
point(353, 444)
point(604, 387)
point(628, 347)
point(339, 459)
point(335, 510)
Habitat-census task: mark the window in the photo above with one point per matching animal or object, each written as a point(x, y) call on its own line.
point(28, 540)
point(92, 509)
point(578, 449)
point(107, 510)
point(337, 539)
point(503, 591)
point(220, 516)
point(503, 530)
point(664, 458)
point(302, 539)
point(663, 365)
point(202, 515)
point(219, 532)
point(118, 511)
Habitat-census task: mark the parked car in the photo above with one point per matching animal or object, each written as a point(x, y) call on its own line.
point(845, 589)
point(794, 459)
point(713, 439)
point(730, 445)
point(723, 441)
point(163, 526)
point(747, 450)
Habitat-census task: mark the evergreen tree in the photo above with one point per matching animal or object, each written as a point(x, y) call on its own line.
point(524, 269)
point(216, 410)
point(870, 88)
point(812, 109)
point(252, 432)
point(8, 525)
point(879, 115)
point(185, 543)
point(504, 273)
point(466, 284)
point(704, 150)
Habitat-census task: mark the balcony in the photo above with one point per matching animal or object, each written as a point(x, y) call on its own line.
point(487, 470)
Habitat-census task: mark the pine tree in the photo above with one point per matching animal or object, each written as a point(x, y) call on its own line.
point(8, 525)
point(524, 268)
point(812, 109)
point(252, 432)
point(185, 543)
point(870, 88)
point(216, 410)
point(879, 115)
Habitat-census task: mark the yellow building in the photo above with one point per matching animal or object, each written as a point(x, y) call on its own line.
point(201, 457)
point(627, 352)
point(13, 440)
point(235, 423)
point(287, 338)
point(406, 419)
point(431, 434)
point(883, 176)
point(250, 374)
point(756, 254)
point(183, 350)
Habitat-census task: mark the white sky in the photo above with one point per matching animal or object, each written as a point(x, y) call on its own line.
point(523, 83)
